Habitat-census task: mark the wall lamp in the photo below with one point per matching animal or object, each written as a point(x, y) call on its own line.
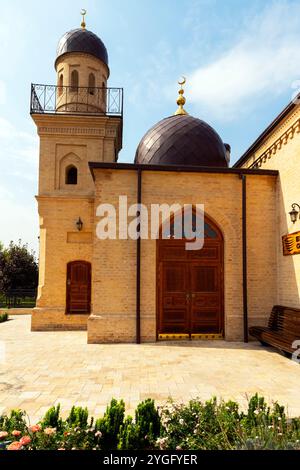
point(294, 212)
point(79, 224)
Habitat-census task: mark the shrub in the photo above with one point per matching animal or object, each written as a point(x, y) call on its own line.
point(129, 437)
point(3, 317)
point(52, 418)
point(78, 417)
point(212, 426)
point(142, 433)
point(16, 420)
point(109, 426)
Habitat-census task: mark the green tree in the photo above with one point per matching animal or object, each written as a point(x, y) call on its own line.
point(18, 267)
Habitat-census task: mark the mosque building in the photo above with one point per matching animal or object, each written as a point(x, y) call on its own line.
point(145, 289)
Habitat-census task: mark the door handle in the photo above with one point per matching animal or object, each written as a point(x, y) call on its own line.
point(188, 296)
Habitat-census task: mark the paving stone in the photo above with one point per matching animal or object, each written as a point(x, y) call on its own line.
point(45, 368)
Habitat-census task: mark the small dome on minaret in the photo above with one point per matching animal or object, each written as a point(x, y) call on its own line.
point(82, 40)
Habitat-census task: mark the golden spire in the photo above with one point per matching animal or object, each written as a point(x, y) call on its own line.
point(181, 99)
point(83, 13)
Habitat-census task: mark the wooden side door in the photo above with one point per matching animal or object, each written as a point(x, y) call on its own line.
point(79, 287)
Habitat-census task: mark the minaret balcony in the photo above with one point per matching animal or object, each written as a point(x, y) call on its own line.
point(52, 99)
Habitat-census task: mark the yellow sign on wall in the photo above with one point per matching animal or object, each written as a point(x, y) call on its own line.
point(291, 243)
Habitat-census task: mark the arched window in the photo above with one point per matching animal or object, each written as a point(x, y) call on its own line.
point(60, 84)
point(74, 80)
point(92, 83)
point(71, 174)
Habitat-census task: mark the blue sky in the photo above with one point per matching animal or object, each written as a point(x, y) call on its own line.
point(241, 60)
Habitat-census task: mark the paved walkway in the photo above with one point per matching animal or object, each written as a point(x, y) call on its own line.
point(45, 368)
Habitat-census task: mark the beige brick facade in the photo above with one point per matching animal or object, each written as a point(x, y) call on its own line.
point(114, 261)
point(280, 150)
point(64, 140)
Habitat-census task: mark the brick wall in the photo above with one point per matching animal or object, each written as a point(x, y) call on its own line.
point(114, 261)
point(281, 151)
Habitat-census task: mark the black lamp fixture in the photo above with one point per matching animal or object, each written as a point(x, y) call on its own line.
point(294, 212)
point(79, 224)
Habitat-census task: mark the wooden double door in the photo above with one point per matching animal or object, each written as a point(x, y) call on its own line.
point(190, 286)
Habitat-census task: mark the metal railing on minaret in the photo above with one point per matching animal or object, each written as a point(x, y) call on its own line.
point(54, 99)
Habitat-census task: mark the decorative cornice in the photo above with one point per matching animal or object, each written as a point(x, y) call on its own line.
point(71, 131)
point(277, 145)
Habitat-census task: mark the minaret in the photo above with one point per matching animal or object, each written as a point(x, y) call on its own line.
point(78, 120)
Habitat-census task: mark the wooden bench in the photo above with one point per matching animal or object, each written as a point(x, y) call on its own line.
point(283, 328)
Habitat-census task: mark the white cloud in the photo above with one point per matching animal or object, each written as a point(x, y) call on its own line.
point(265, 61)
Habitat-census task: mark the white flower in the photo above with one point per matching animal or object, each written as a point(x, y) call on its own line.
point(162, 442)
point(256, 412)
point(181, 421)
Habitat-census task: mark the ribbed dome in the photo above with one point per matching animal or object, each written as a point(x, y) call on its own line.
point(82, 40)
point(182, 140)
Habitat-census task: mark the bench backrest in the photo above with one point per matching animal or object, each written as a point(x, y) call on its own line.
point(286, 320)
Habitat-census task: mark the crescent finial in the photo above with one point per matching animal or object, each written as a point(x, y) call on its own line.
point(181, 98)
point(183, 81)
point(83, 13)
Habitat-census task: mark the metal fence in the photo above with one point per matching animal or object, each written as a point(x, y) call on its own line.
point(18, 298)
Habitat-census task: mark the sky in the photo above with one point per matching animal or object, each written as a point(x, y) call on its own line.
point(241, 60)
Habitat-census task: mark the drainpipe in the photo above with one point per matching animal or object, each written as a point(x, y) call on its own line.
point(138, 264)
point(244, 243)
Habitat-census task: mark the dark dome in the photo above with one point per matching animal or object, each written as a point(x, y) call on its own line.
point(82, 40)
point(182, 140)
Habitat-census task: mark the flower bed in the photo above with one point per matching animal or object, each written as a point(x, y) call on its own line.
point(193, 426)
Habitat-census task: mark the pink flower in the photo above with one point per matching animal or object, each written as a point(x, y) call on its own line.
point(3, 434)
point(14, 446)
point(61, 448)
point(16, 433)
point(25, 440)
point(35, 428)
point(49, 431)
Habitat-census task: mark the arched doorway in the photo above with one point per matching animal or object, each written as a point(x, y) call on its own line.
point(78, 287)
point(190, 285)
